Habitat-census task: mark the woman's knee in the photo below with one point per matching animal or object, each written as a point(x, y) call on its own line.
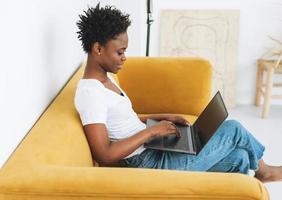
point(232, 123)
point(233, 128)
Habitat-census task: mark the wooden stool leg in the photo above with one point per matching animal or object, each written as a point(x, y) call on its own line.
point(268, 91)
point(259, 84)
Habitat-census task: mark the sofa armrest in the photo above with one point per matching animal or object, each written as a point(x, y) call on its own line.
point(55, 182)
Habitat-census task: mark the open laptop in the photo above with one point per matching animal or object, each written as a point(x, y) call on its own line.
point(194, 137)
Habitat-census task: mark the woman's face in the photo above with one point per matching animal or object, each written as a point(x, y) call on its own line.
point(112, 54)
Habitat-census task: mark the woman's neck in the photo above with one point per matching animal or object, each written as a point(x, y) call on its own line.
point(94, 70)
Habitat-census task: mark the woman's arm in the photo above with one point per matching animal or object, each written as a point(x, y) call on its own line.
point(177, 119)
point(159, 117)
point(108, 153)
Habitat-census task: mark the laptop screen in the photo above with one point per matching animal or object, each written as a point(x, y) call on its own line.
point(211, 118)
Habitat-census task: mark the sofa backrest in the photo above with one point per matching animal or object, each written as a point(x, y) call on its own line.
point(174, 85)
point(154, 85)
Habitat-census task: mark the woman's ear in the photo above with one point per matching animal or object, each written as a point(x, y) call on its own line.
point(96, 48)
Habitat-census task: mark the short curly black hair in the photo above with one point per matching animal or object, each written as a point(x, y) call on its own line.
point(101, 25)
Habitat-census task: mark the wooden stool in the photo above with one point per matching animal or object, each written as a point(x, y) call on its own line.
point(270, 67)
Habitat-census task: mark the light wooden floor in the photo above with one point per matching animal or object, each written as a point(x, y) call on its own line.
point(269, 132)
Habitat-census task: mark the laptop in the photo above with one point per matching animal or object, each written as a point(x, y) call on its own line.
point(193, 137)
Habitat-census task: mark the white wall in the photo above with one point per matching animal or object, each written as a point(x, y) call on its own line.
point(39, 51)
point(258, 19)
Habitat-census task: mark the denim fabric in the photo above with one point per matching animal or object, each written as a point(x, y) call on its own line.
point(231, 149)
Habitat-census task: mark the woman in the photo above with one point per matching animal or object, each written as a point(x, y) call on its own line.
point(116, 134)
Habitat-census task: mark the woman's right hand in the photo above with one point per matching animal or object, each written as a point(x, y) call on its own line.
point(164, 128)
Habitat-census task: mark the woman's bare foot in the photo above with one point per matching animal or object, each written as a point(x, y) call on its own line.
point(268, 173)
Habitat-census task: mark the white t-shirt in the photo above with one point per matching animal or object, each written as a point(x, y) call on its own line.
point(97, 104)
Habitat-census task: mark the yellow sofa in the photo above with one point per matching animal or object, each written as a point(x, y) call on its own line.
point(54, 161)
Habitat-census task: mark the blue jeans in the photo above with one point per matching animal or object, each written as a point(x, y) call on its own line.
point(231, 149)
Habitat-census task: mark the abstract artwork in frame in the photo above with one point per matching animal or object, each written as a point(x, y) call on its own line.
point(210, 34)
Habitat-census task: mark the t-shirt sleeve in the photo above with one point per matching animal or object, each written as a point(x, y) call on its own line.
point(91, 106)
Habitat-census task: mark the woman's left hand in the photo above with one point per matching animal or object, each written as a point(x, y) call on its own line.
point(177, 119)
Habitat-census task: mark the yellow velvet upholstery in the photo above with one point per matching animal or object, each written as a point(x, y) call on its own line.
point(160, 89)
point(54, 161)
